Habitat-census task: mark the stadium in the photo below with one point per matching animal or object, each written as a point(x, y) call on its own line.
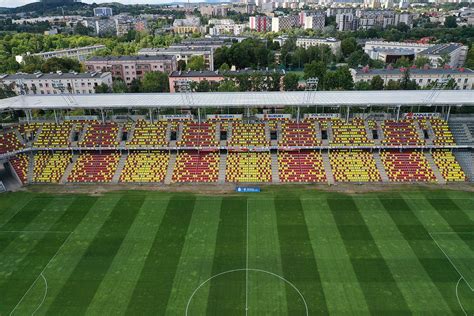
point(256, 203)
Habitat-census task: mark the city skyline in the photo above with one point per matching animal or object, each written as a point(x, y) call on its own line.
point(18, 3)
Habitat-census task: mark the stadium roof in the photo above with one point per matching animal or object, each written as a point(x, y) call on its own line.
point(241, 99)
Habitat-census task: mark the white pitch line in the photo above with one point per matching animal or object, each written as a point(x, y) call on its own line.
point(44, 296)
point(450, 261)
point(256, 270)
point(457, 296)
point(41, 273)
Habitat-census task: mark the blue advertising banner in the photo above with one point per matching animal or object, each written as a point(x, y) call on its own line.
point(247, 189)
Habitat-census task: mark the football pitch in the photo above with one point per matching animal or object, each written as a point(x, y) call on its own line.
point(285, 251)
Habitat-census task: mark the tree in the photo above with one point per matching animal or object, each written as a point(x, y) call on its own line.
point(402, 62)
point(392, 85)
point(196, 63)
point(348, 46)
point(227, 85)
point(119, 86)
point(470, 58)
point(155, 82)
point(340, 79)
point(450, 22)
point(406, 83)
point(376, 83)
point(421, 61)
point(102, 88)
point(290, 82)
point(315, 69)
point(444, 60)
point(6, 92)
point(203, 86)
point(181, 65)
point(362, 85)
point(224, 67)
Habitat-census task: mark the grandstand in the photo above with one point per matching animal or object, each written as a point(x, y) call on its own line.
point(350, 144)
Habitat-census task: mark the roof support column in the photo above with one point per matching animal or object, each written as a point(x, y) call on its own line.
point(199, 115)
point(150, 112)
point(102, 114)
point(447, 114)
point(298, 114)
point(398, 112)
point(347, 114)
point(55, 116)
point(27, 116)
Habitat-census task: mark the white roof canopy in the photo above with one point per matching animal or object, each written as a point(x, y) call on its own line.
point(240, 99)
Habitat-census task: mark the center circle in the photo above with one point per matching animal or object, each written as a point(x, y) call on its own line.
point(259, 285)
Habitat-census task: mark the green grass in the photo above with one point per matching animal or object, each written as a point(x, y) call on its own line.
point(156, 253)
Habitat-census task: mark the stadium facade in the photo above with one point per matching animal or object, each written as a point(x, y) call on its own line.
point(264, 137)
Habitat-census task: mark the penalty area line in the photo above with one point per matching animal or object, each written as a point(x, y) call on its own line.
point(41, 275)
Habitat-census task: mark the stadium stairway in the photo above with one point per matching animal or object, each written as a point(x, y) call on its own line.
point(380, 167)
point(15, 174)
point(120, 165)
point(368, 131)
point(38, 132)
point(267, 131)
point(179, 135)
point(169, 171)
point(431, 134)
point(222, 168)
point(69, 169)
point(119, 135)
point(275, 173)
point(330, 133)
point(327, 167)
point(419, 132)
point(218, 132)
point(439, 177)
point(82, 133)
point(31, 167)
point(18, 135)
point(465, 159)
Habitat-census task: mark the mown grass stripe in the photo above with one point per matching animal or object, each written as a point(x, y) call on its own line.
point(11, 203)
point(298, 260)
point(439, 270)
point(153, 288)
point(227, 293)
point(27, 270)
point(380, 288)
point(79, 289)
point(455, 217)
point(22, 219)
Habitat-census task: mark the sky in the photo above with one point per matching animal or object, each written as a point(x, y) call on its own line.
point(17, 3)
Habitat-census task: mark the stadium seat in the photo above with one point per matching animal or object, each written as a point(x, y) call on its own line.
point(20, 165)
point(195, 166)
point(401, 133)
point(248, 135)
point(9, 142)
point(407, 166)
point(198, 135)
point(298, 135)
point(145, 166)
point(353, 166)
point(301, 166)
point(95, 167)
point(54, 135)
point(448, 165)
point(50, 167)
point(248, 167)
point(100, 135)
point(352, 133)
point(147, 134)
point(443, 135)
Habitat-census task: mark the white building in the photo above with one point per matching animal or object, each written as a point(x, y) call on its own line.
point(80, 53)
point(103, 11)
point(183, 53)
point(225, 26)
point(464, 78)
point(306, 42)
point(455, 52)
point(56, 83)
point(285, 22)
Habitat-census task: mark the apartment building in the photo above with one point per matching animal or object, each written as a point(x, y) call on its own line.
point(260, 23)
point(80, 53)
point(183, 53)
point(306, 42)
point(129, 68)
point(56, 83)
point(285, 22)
point(464, 78)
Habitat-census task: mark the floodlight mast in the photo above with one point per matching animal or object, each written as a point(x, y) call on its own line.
point(310, 88)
